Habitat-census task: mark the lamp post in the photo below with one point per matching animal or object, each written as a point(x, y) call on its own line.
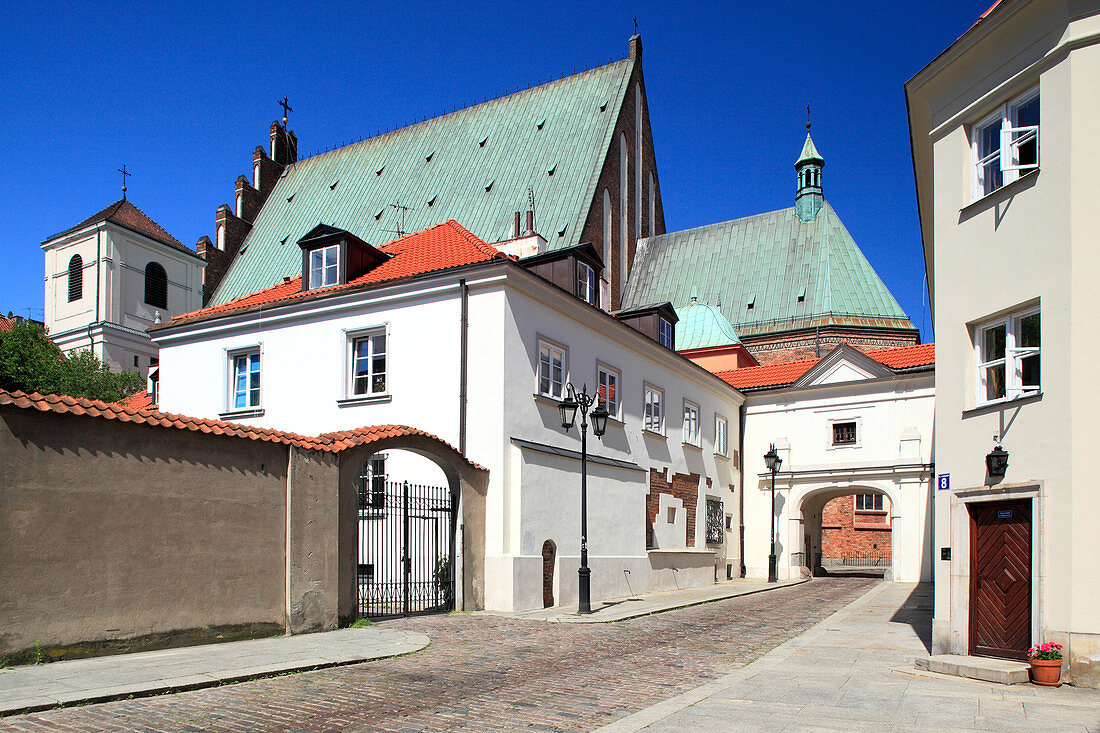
point(773, 462)
point(568, 408)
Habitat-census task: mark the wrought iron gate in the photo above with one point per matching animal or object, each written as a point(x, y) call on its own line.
point(406, 549)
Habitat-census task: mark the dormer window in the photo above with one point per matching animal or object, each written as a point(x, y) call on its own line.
point(664, 336)
point(332, 256)
point(587, 283)
point(324, 266)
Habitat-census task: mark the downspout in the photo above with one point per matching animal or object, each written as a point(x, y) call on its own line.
point(741, 478)
point(462, 367)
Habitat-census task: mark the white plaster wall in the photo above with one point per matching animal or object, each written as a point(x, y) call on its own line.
point(798, 422)
point(1034, 241)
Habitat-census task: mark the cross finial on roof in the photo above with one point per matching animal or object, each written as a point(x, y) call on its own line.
point(122, 170)
point(635, 25)
point(807, 118)
point(285, 104)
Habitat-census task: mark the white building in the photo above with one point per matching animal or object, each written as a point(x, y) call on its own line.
point(444, 333)
point(1004, 136)
point(112, 276)
point(849, 423)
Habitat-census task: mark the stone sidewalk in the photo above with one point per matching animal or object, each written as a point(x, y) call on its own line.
point(620, 609)
point(42, 686)
point(855, 671)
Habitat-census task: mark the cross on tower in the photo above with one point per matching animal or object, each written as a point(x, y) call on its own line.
point(635, 25)
point(285, 104)
point(807, 117)
point(122, 170)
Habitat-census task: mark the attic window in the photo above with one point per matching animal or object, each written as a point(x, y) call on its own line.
point(751, 302)
point(432, 200)
point(429, 158)
point(489, 185)
point(379, 214)
point(802, 295)
point(541, 123)
point(332, 186)
point(551, 169)
point(603, 106)
point(379, 171)
point(290, 198)
point(483, 141)
point(561, 232)
point(283, 240)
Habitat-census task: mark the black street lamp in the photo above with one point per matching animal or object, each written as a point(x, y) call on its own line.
point(568, 408)
point(996, 462)
point(773, 462)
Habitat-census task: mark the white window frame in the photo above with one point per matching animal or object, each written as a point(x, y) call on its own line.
point(875, 499)
point(692, 435)
point(587, 284)
point(665, 332)
point(329, 265)
point(231, 356)
point(653, 409)
point(613, 405)
point(1010, 137)
point(555, 389)
point(1012, 360)
point(721, 435)
point(351, 339)
point(376, 488)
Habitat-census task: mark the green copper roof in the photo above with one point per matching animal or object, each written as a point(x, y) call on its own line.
point(474, 166)
point(765, 273)
point(701, 326)
point(809, 152)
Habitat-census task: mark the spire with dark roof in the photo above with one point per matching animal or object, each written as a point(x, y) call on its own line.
point(809, 198)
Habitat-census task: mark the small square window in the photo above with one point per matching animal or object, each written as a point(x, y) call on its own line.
point(844, 433)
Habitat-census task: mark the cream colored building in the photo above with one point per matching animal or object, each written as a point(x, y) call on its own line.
point(1004, 127)
point(112, 276)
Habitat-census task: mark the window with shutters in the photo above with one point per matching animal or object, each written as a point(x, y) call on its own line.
point(76, 278)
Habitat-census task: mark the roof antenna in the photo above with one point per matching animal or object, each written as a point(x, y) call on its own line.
point(122, 170)
point(531, 206)
point(400, 231)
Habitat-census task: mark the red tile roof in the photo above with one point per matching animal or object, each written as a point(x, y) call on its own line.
point(438, 248)
point(138, 401)
point(125, 214)
point(5, 324)
point(779, 375)
point(328, 442)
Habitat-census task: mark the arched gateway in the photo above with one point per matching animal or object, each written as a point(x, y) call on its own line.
point(409, 547)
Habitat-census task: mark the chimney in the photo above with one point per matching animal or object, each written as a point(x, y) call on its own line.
point(515, 227)
point(530, 223)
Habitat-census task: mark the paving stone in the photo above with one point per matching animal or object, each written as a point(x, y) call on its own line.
point(492, 673)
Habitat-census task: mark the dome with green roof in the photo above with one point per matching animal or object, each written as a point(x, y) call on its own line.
point(703, 326)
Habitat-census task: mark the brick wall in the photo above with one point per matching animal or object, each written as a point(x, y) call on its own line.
point(685, 487)
point(844, 531)
point(784, 346)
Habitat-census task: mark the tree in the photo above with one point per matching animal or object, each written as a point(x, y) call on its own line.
point(30, 362)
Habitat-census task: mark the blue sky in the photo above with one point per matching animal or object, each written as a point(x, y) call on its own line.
point(182, 92)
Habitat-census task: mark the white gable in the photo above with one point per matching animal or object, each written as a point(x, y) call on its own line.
point(842, 371)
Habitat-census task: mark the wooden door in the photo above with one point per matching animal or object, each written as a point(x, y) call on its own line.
point(549, 551)
point(1000, 578)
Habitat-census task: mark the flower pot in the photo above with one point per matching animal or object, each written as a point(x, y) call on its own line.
point(1047, 672)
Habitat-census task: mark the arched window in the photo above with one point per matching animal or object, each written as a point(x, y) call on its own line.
point(76, 278)
point(156, 285)
point(624, 221)
point(607, 236)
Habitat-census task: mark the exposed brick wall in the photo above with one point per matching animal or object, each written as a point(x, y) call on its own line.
point(784, 346)
point(609, 179)
point(685, 487)
point(250, 198)
point(845, 531)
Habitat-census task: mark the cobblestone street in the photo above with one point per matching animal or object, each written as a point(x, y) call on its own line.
point(489, 673)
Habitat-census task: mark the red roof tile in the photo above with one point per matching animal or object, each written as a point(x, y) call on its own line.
point(328, 442)
point(441, 247)
point(138, 401)
point(5, 324)
point(778, 375)
point(127, 215)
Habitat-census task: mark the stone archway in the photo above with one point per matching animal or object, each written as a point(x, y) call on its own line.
point(806, 518)
point(467, 483)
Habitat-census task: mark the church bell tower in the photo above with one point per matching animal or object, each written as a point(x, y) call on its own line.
point(809, 199)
